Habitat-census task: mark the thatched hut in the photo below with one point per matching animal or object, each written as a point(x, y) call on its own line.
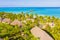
point(16, 22)
point(37, 32)
point(6, 20)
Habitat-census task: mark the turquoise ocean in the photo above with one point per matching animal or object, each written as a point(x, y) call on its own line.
point(48, 11)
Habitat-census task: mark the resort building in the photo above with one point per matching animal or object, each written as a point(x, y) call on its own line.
point(16, 22)
point(42, 35)
point(6, 20)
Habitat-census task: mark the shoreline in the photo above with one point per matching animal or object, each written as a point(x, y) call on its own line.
point(31, 13)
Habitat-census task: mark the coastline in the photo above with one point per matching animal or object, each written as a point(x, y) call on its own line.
point(32, 13)
point(47, 11)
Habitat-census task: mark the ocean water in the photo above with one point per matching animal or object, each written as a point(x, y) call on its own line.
point(48, 11)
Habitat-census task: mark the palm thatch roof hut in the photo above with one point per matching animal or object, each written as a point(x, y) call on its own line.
point(16, 22)
point(6, 20)
point(37, 32)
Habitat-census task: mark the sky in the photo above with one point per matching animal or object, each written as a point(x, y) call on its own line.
point(29, 3)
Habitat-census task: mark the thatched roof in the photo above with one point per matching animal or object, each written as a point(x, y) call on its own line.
point(16, 22)
point(37, 32)
point(6, 20)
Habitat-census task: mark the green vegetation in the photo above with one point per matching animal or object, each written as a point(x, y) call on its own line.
point(10, 32)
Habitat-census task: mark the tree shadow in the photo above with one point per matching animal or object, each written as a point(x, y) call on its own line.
point(49, 34)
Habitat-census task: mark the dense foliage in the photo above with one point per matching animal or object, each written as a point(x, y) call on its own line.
point(9, 32)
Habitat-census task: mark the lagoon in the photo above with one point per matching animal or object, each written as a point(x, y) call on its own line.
point(48, 11)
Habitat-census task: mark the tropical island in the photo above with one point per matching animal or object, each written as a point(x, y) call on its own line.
point(20, 26)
